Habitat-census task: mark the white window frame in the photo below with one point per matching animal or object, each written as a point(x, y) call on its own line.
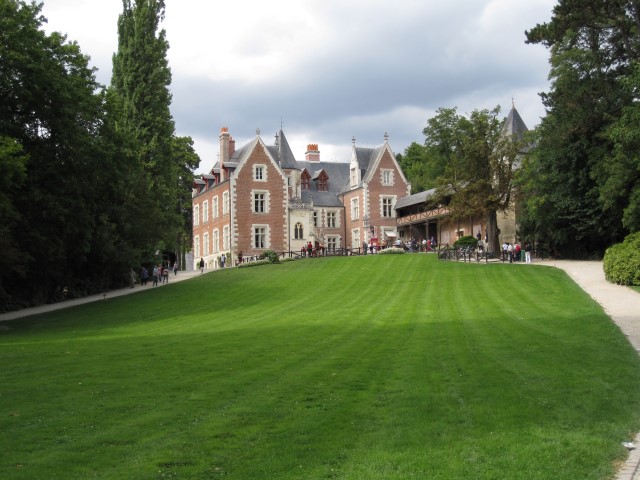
point(196, 215)
point(205, 244)
point(264, 231)
point(314, 218)
point(225, 203)
point(205, 211)
point(196, 246)
point(333, 243)
point(214, 207)
point(260, 172)
point(216, 240)
point(335, 215)
point(391, 204)
point(386, 176)
point(265, 201)
point(355, 208)
point(355, 238)
point(225, 237)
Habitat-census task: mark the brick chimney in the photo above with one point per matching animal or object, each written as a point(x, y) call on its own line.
point(312, 154)
point(225, 141)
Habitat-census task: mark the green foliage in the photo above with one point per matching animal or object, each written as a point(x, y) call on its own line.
point(392, 368)
point(622, 261)
point(271, 256)
point(478, 163)
point(466, 241)
point(580, 186)
point(391, 251)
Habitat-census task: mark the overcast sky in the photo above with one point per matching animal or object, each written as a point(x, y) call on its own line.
point(329, 70)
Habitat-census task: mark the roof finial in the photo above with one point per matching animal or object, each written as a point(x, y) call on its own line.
point(353, 141)
point(257, 132)
point(513, 102)
point(386, 137)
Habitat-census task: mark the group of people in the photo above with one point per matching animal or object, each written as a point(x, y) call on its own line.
point(516, 253)
point(160, 273)
point(311, 250)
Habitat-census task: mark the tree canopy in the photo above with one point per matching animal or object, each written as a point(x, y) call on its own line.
point(581, 184)
point(82, 169)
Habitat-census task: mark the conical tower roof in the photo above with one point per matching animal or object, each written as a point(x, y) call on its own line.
point(514, 126)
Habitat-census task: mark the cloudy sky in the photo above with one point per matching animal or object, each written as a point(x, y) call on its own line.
point(329, 70)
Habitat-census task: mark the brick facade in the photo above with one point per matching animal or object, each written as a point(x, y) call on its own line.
point(261, 198)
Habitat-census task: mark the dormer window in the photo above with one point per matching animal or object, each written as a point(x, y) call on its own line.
point(305, 180)
point(322, 181)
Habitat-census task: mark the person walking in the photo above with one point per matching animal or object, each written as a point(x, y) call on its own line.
point(144, 276)
point(527, 252)
point(201, 265)
point(175, 268)
point(154, 276)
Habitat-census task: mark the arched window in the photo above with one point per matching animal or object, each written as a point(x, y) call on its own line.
point(298, 231)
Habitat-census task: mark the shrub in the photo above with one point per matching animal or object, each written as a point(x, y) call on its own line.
point(622, 261)
point(271, 256)
point(254, 264)
point(466, 241)
point(391, 251)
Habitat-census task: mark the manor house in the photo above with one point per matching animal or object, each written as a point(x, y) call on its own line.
point(259, 197)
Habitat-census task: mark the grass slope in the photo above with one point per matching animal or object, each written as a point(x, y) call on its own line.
point(377, 367)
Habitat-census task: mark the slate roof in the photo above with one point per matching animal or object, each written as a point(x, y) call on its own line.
point(282, 153)
point(415, 199)
point(338, 173)
point(514, 126)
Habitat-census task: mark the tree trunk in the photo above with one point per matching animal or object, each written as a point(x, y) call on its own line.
point(493, 241)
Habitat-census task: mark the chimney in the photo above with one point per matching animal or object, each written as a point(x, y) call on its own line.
point(224, 151)
point(313, 154)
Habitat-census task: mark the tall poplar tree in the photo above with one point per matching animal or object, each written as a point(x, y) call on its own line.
point(140, 87)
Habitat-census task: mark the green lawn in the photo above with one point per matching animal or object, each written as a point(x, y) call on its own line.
point(376, 367)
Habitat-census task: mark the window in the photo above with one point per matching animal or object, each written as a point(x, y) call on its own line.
point(298, 232)
point(260, 202)
point(215, 207)
point(315, 218)
point(387, 177)
point(331, 219)
point(216, 241)
point(205, 211)
point(260, 173)
point(354, 177)
point(305, 180)
point(355, 238)
point(332, 244)
point(225, 238)
point(260, 237)
point(225, 203)
point(205, 247)
point(196, 215)
point(387, 206)
point(196, 246)
point(355, 209)
point(323, 183)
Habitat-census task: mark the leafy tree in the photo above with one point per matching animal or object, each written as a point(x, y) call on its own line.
point(568, 188)
point(478, 177)
point(140, 88)
point(49, 115)
point(187, 160)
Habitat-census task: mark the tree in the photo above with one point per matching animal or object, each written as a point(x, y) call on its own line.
point(187, 160)
point(567, 183)
point(140, 88)
point(49, 116)
point(478, 177)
